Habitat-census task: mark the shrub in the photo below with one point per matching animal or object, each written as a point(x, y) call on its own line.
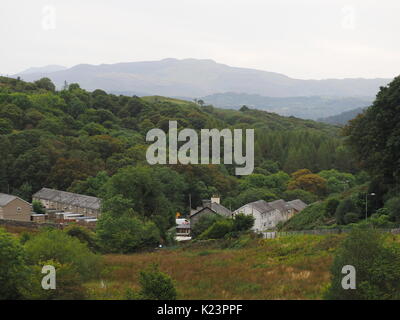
point(6, 126)
point(351, 217)
point(84, 235)
point(242, 222)
point(13, 268)
point(38, 207)
point(311, 217)
point(393, 206)
point(345, 206)
point(69, 284)
point(156, 285)
point(57, 245)
point(378, 221)
point(377, 263)
point(126, 234)
point(25, 236)
point(331, 206)
point(204, 223)
point(218, 230)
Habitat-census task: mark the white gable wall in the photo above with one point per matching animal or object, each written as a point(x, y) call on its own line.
point(263, 221)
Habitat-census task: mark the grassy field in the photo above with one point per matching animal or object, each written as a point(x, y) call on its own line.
point(295, 267)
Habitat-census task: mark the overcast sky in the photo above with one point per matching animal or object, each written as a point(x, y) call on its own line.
point(300, 38)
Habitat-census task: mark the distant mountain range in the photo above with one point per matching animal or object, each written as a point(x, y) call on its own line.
point(342, 118)
point(193, 78)
point(42, 70)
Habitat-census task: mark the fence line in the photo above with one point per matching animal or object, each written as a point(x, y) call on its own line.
point(277, 234)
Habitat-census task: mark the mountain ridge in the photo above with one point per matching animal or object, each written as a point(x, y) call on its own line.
point(201, 77)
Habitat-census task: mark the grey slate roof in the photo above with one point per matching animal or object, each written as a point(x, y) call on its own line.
point(280, 205)
point(297, 204)
point(261, 206)
point(69, 198)
point(220, 209)
point(5, 199)
point(217, 208)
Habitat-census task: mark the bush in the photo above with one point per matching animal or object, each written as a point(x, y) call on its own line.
point(310, 218)
point(331, 206)
point(84, 235)
point(69, 284)
point(377, 263)
point(345, 206)
point(242, 222)
point(38, 207)
point(156, 285)
point(204, 223)
point(378, 221)
point(13, 269)
point(57, 245)
point(393, 206)
point(351, 217)
point(126, 234)
point(6, 126)
point(218, 230)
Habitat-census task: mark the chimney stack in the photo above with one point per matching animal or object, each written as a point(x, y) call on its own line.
point(215, 199)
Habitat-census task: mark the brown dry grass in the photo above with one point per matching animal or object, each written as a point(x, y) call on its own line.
point(16, 230)
point(294, 267)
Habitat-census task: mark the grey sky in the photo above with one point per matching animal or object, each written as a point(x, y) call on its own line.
point(300, 38)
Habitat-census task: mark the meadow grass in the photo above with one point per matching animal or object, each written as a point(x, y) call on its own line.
point(293, 267)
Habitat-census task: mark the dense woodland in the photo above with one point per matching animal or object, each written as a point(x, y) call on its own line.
point(94, 143)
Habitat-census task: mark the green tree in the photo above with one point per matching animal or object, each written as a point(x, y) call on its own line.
point(126, 233)
point(59, 246)
point(6, 126)
point(393, 207)
point(344, 207)
point(331, 206)
point(84, 235)
point(14, 272)
point(218, 229)
point(156, 285)
point(45, 83)
point(38, 207)
point(303, 195)
point(204, 223)
point(242, 222)
point(69, 284)
point(376, 259)
point(374, 135)
point(142, 187)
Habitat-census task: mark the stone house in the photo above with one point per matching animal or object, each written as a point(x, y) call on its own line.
point(268, 214)
point(209, 207)
point(70, 202)
point(14, 208)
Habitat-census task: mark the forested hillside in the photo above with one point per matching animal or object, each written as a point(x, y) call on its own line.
point(342, 118)
point(305, 107)
point(94, 143)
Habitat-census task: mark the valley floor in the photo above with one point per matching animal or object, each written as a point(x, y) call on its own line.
point(293, 267)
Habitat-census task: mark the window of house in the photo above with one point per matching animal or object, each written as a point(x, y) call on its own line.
point(19, 209)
